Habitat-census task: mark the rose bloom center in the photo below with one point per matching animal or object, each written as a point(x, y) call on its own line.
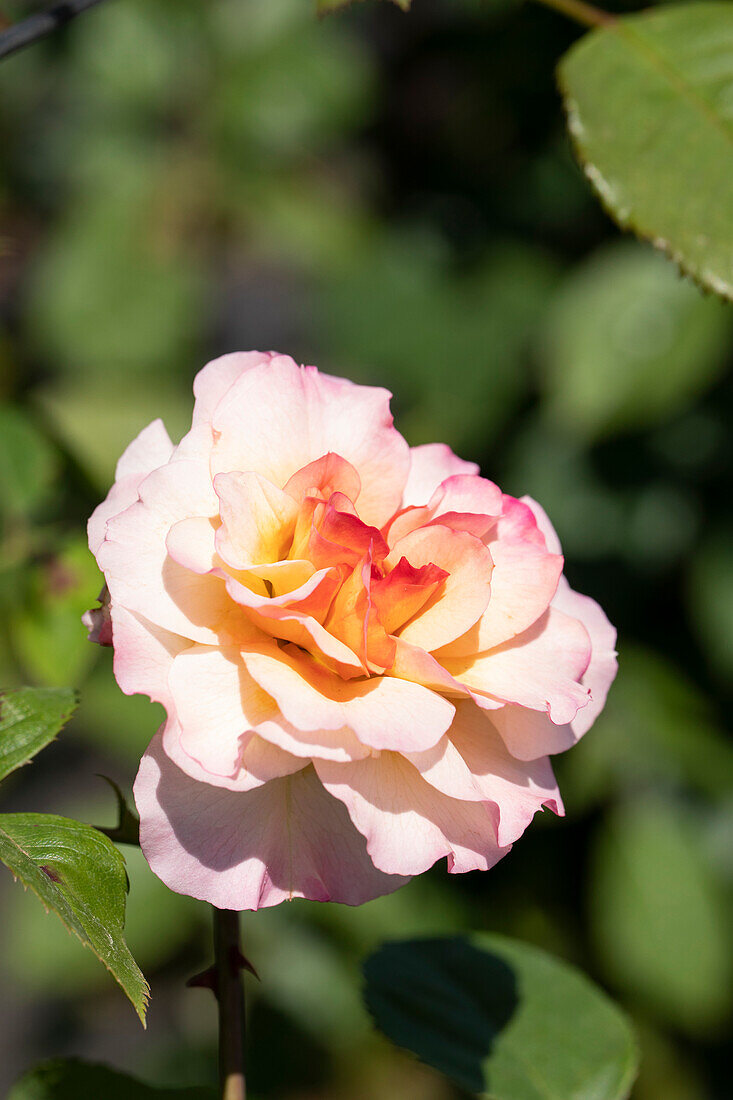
point(306, 550)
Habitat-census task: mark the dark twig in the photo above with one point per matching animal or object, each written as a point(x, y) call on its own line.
point(42, 24)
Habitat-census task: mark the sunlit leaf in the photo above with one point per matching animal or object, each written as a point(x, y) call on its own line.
point(651, 112)
point(79, 875)
point(501, 1018)
point(29, 719)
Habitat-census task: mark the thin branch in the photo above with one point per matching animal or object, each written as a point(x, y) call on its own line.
point(580, 12)
point(40, 25)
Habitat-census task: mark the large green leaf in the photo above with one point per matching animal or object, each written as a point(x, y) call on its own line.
point(70, 1079)
point(29, 719)
point(79, 874)
point(628, 342)
point(658, 916)
point(650, 107)
point(502, 1019)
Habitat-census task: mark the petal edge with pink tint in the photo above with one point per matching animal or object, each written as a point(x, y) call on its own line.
point(431, 464)
point(314, 415)
point(231, 849)
point(151, 449)
point(540, 669)
point(218, 376)
point(407, 823)
point(472, 763)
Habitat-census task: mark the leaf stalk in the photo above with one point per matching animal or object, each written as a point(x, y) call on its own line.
point(580, 12)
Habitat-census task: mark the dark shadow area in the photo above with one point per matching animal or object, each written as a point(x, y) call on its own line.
point(281, 1056)
point(443, 999)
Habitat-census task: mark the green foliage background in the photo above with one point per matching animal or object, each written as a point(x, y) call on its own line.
point(393, 198)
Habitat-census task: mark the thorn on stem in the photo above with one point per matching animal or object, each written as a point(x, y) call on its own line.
point(205, 980)
point(208, 979)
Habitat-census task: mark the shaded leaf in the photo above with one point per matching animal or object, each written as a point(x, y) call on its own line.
point(650, 110)
point(30, 718)
point(80, 875)
point(502, 1019)
point(127, 829)
point(69, 1079)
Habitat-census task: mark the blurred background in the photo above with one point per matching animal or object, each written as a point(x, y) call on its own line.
point(393, 198)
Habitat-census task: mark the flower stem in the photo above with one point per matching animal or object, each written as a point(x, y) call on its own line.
point(580, 12)
point(230, 995)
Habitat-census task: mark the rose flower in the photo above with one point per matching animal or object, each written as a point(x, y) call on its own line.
point(366, 651)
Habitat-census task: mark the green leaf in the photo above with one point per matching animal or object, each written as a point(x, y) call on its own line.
point(107, 269)
point(628, 342)
point(96, 419)
point(41, 956)
point(70, 1079)
point(657, 729)
point(398, 314)
point(658, 918)
point(502, 1019)
point(650, 109)
point(79, 874)
point(47, 633)
point(30, 718)
point(28, 462)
